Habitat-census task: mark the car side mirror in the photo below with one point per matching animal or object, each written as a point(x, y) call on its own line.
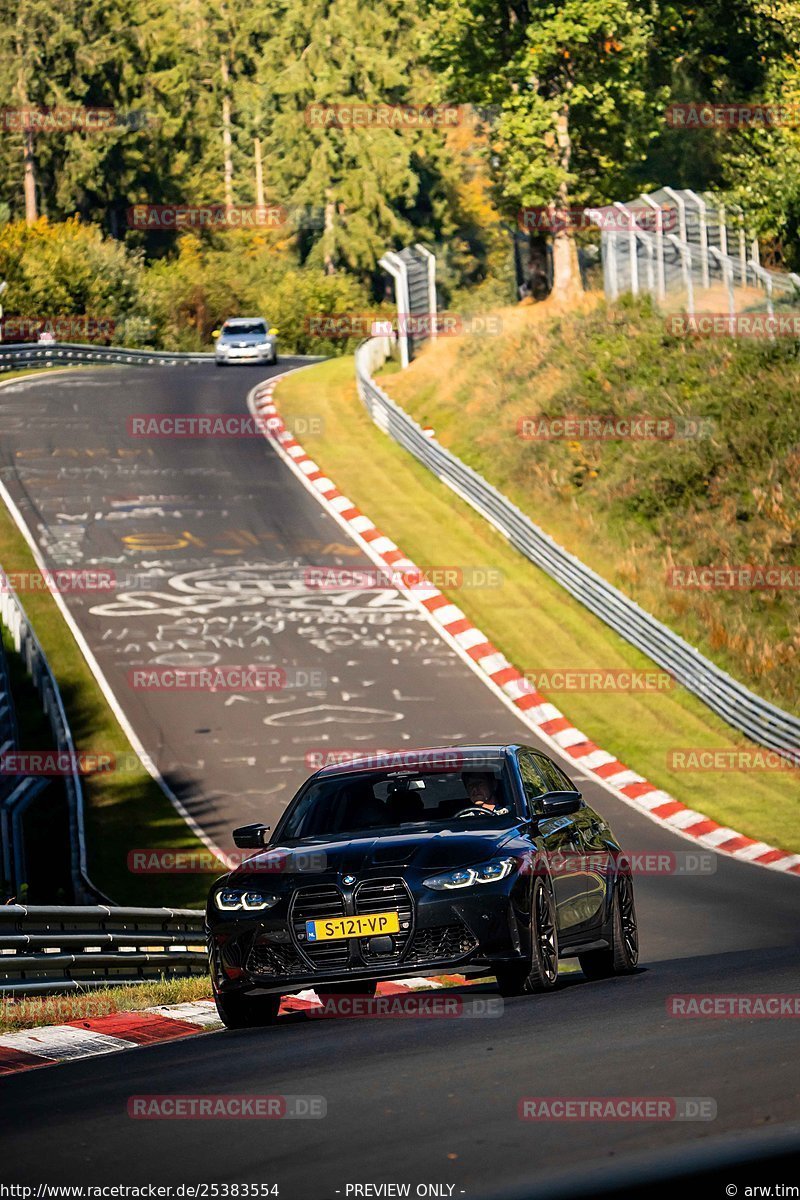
point(251, 837)
point(216, 333)
point(558, 804)
point(274, 329)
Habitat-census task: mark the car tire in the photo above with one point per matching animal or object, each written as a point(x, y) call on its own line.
point(220, 364)
point(541, 973)
point(622, 956)
point(246, 1012)
point(359, 988)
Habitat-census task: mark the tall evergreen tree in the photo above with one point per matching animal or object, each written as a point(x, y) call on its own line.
point(325, 56)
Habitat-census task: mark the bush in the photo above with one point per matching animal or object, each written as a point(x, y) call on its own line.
point(68, 269)
point(176, 302)
point(189, 296)
point(303, 294)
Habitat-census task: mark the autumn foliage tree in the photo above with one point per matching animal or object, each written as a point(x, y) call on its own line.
point(576, 112)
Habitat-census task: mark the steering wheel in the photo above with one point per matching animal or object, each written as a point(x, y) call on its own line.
point(475, 808)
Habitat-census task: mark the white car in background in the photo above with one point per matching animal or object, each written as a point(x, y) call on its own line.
point(246, 339)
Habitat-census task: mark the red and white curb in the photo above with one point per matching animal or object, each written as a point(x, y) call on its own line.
point(500, 675)
point(91, 1036)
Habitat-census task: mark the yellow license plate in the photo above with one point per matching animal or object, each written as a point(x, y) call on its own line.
point(369, 925)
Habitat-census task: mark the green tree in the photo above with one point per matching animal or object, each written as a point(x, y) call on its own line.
point(576, 106)
point(354, 180)
point(67, 269)
point(761, 165)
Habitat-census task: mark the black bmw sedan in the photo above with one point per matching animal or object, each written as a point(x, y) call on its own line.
point(483, 860)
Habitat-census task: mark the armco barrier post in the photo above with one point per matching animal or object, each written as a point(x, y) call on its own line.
point(703, 230)
point(650, 202)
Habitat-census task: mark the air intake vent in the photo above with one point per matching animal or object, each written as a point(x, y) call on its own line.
point(318, 904)
point(441, 943)
point(386, 895)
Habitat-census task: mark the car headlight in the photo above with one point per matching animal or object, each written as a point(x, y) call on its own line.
point(235, 899)
point(466, 877)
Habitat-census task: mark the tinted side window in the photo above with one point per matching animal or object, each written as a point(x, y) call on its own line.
point(557, 781)
point(532, 780)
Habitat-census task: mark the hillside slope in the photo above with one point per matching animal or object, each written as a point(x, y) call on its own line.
point(723, 492)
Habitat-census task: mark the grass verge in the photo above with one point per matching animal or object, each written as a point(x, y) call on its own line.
point(125, 809)
point(530, 618)
point(30, 1012)
point(644, 512)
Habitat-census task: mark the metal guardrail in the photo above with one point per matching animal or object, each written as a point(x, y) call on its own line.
point(24, 789)
point(8, 742)
point(8, 720)
point(759, 720)
point(61, 949)
point(54, 354)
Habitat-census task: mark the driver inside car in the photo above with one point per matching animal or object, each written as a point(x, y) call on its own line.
point(483, 791)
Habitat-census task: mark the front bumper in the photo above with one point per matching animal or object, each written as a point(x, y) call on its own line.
point(248, 354)
point(467, 933)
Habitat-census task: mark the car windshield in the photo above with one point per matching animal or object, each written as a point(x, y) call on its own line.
point(376, 801)
point(245, 328)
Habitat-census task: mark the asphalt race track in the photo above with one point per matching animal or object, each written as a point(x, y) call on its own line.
point(209, 540)
point(223, 534)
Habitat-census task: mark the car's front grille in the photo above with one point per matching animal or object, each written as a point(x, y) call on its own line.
point(441, 943)
point(386, 895)
point(319, 903)
point(267, 958)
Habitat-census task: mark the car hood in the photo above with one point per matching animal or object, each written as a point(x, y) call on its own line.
point(243, 339)
point(440, 851)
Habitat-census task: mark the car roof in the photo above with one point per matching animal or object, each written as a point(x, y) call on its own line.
point(243, 320)
point(421, 757)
